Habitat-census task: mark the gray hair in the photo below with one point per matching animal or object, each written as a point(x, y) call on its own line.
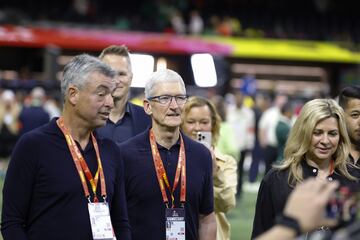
point(164, 75)
point(76, 72)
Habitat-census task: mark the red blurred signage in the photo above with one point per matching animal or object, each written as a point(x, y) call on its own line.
point(95, 39)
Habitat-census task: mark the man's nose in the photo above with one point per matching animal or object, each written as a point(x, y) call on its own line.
point(173, 102)
point(109, 101)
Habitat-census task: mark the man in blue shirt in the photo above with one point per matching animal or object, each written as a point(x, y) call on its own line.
point(60, 171)
point(126, 119)
point(168, 176)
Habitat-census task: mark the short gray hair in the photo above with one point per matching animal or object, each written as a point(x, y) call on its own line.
point(164, 75)
point(76, 72)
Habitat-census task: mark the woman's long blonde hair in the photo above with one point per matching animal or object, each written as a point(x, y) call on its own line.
point(299, 140)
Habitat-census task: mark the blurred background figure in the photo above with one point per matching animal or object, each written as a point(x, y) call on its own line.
point(196, 23)
point(178, 23)
point(227, 141)
point(283, 128)
point(53, 106)
point(34, 114)
point(262, 102)
point(242, 120)
point(267, 130)
point(9, 127)
point(200, 115)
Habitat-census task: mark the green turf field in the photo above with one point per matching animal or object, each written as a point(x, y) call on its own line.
point(241, 218)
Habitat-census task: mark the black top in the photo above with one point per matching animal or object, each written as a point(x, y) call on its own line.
point(353, 170)
point(32, 117)
point(134, 121)
point(274, 191)
point(43, 197)
point(145, 203)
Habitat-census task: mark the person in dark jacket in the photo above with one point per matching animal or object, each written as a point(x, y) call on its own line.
point(34, 115)
point(126, 119)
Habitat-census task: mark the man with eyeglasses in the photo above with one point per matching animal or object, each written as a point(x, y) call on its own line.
point(126, 119)
point(168, 176)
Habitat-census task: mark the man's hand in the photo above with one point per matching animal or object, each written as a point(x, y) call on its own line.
point(307, 204)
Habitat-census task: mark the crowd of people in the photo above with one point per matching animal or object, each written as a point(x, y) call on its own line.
point(309, 20)
point(105, 168)
point(19, 115)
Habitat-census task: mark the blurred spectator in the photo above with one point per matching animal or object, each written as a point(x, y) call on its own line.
point(196, 23)
point(225, 27)
point(262, 102)
point(177, 22)
point(236, 26)
point(242, 120)
point(9, 126)
point(212, 25)
point(267, 129)
point(82, 11)
point(52, 107)
point(34, 115)
point(283, 128)
point(227, 141)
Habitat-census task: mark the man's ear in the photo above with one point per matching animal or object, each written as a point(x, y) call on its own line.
point(73, 93)
point(147, 107)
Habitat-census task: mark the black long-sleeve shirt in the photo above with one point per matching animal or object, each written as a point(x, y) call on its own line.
point(43, 197)
point(274, 191)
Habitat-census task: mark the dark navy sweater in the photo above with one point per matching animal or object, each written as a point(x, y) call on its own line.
point(43, 197)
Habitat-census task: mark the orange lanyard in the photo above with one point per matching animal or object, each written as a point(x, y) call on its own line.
point(81, 165)
point(161, 173)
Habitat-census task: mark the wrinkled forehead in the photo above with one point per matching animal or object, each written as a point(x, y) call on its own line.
point(96, 79)
point(168, 88)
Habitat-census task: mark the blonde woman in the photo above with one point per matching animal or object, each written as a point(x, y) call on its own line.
point(200, 115)
point(317, 146)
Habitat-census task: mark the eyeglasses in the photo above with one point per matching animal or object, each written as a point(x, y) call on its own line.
point(166, 99)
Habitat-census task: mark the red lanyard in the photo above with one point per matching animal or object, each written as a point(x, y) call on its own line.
point(161, 173)
point(81, 165)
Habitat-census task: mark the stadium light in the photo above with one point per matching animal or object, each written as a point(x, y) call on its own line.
point(142, 67)
point(204, 70)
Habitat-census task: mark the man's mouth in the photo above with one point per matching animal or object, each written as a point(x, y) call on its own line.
point(173, 114)
point(105, 114)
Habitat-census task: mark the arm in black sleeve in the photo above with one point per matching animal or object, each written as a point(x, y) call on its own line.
point(264, 213)
point(17, 191)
